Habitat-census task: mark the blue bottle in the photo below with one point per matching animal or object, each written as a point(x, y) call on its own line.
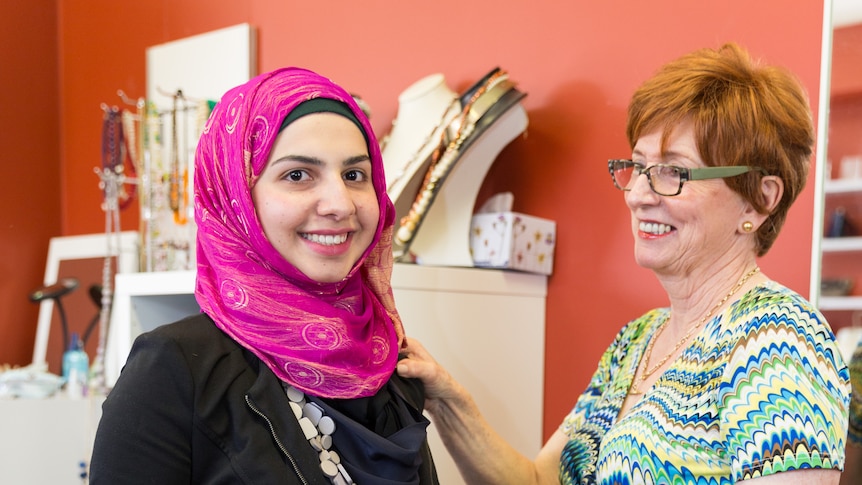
point(76, 368)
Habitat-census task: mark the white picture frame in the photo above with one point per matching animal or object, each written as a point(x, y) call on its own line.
point(85, 246)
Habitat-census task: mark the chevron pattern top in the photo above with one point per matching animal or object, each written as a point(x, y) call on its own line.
point(761, 389)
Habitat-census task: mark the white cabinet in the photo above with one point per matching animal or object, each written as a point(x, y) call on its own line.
point(487, 327)
point(47, 441)
point(839, 180)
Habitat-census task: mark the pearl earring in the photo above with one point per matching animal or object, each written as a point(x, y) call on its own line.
point(747, 226)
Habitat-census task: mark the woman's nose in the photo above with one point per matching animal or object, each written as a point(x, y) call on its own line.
point(335, 200)
point(640, 190)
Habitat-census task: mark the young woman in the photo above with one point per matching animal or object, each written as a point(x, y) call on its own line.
point(287, 375)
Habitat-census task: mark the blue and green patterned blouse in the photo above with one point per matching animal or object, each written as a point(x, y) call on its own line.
point(761, 389)
point(855, 433)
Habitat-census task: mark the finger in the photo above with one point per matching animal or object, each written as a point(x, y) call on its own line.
point(413, 349)
point(412, 368)
point(412, 344)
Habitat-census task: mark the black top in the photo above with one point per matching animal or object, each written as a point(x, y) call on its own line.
point(192, 406)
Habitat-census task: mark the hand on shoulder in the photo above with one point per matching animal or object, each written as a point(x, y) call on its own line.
point(419, 364)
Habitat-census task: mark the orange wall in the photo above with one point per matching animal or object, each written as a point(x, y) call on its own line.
point(846, 77)
point(845, 122)
point(30, 161)
point(578, 61)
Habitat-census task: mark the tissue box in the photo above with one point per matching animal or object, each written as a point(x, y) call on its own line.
point(511, 240)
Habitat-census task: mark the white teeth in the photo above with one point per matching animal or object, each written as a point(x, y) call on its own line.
point(654, 227)
point(326, 240)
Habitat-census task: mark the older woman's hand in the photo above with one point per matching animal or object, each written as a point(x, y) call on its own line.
point(440, 387)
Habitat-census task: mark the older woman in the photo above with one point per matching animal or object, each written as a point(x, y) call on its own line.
point(287, 375)
point(739, 377)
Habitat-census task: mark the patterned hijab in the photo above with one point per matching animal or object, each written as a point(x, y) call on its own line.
point(336, 340)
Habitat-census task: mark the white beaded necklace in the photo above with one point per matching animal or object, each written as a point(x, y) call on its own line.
point(318, 428)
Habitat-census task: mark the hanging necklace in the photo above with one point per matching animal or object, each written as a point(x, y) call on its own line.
point(648, 371)
point(178, 192)
point(410, 167)
point(446, 154)
point(318, 428)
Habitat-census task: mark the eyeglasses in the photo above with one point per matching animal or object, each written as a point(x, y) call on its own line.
point(668, 179)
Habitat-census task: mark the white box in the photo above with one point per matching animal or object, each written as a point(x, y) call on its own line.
point(510, 240)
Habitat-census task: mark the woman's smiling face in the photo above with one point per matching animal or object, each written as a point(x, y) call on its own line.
point(315, 199)
point(673, 234)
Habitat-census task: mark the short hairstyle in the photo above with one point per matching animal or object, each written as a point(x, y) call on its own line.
point(743, 113)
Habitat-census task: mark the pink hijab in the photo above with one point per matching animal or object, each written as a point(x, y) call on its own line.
point(337, 340)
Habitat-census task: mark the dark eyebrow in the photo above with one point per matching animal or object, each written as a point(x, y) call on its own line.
point(357, 160)
point(316, 161)
point(299, 158)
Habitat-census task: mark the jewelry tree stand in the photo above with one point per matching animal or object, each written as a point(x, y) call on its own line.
point(119, 139)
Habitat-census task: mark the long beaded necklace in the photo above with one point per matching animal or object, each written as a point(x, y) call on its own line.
point(318, 429)
point(639, 379)
point(178, 178)
point(114, 154)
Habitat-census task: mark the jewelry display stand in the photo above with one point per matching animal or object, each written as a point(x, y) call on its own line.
point(425, 108)
point(435, 229)
point(444, 237)
point(184, 78)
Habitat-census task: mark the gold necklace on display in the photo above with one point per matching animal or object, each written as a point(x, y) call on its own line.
point(648, 371)
point(445, 154)
point(410, 166)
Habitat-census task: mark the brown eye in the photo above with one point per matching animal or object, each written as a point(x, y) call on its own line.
point(355, 176)
point(295, 175)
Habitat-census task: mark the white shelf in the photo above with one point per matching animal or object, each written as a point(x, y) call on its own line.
point(841, 244)
point(842, 186)
point(841, 303)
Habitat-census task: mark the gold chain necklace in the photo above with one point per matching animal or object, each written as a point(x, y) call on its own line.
point(639, 380)
point(445, 155)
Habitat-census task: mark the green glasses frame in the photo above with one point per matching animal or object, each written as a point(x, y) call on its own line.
point(685, 174)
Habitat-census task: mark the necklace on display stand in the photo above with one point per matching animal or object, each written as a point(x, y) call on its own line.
point(178, 191)
point(424, 108)
point(112, 179)
point(447, 151)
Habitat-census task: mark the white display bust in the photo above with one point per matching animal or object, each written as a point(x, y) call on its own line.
point(424, 109)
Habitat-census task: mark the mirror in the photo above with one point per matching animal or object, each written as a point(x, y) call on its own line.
point(83, 258)
point(836, 282)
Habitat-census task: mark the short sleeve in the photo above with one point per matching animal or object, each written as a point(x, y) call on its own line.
point(618, 358)
point(598, 406)
point(785, 393)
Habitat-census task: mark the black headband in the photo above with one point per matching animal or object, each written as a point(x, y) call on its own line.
point(322, 105)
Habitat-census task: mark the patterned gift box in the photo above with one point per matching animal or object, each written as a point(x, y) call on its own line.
point(510, 240)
